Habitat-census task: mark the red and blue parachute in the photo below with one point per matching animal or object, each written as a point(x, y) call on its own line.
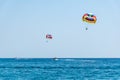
point(49, 36)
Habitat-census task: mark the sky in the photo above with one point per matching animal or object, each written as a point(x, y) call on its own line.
point(25, 23)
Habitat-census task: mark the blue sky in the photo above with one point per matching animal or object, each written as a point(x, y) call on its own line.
point(24, 24)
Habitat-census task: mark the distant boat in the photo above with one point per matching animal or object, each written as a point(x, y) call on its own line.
point(55, 58)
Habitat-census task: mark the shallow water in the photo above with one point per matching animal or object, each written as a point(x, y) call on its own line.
point(62, 69)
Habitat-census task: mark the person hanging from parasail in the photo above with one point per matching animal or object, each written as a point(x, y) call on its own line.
point(48, 37)
point(89, 18)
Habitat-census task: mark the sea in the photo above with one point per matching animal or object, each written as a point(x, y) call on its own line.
point(60, 69)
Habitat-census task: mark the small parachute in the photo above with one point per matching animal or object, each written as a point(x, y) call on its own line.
point(49, 36)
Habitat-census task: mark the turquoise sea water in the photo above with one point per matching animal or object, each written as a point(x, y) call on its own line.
point(61, 69)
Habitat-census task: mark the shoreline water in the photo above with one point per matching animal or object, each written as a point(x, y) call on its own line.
point(62, 69)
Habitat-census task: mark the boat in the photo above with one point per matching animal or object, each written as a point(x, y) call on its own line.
point(55, 58)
